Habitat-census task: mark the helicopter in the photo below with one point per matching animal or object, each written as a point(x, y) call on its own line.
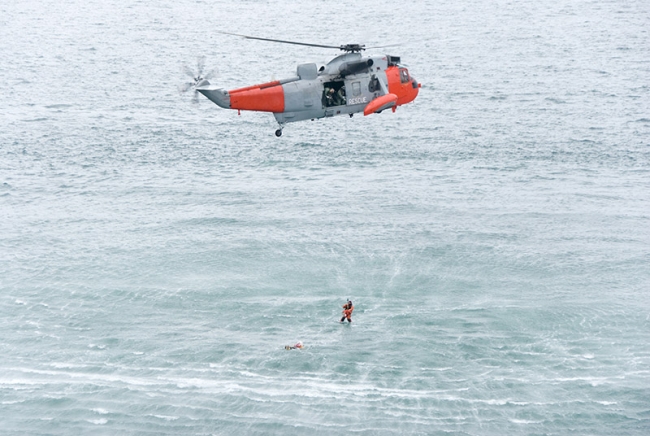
point(349, 83)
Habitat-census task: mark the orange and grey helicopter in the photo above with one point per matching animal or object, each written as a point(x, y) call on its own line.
point(348, 84)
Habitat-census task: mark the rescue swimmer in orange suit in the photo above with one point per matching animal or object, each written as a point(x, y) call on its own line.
point(347, 311)
point(298, 346)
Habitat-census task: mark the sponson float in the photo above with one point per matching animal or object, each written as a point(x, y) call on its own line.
point(348, 84)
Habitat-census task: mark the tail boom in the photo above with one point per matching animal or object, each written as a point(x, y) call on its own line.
point(265, 97)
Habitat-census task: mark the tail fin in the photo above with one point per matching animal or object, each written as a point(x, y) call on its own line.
point(218, 96)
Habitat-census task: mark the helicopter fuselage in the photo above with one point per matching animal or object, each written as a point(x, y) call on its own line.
point(348, 84)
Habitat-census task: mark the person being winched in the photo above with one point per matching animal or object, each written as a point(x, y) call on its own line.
point(347, 311)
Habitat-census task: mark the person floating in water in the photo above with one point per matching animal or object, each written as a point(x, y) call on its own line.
point(298, 346)
point(347, 311)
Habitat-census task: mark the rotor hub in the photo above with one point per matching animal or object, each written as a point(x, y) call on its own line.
point(353, 48)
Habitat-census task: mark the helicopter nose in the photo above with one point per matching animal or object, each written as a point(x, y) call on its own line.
point(416, 87)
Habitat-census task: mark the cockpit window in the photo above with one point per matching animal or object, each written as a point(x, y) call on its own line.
point(404, 75)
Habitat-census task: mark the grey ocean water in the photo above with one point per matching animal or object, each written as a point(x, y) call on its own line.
point(156, 256)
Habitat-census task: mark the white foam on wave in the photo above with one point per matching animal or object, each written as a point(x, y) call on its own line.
point(12, 402)
point(101, 421)
point(523, 421)
point(165, 417)
point(66, 365)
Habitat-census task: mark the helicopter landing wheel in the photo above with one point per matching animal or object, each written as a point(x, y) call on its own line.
point(278, 133)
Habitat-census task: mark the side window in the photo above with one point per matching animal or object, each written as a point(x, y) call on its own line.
point(374, 84)
point(404, 75)
point(356, 88)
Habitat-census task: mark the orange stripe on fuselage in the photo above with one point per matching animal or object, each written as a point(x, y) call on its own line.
point(266, 97)
point(404, 91)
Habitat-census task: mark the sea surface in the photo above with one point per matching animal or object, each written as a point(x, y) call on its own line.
point(157, 255)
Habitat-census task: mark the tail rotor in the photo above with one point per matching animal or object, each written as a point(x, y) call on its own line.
point(198, 78)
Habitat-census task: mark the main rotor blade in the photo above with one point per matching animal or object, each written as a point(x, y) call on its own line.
point(409, 42)
point(281, 41)
point(383, 46)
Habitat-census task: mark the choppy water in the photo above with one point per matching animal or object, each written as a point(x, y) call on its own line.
point(156, 256)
